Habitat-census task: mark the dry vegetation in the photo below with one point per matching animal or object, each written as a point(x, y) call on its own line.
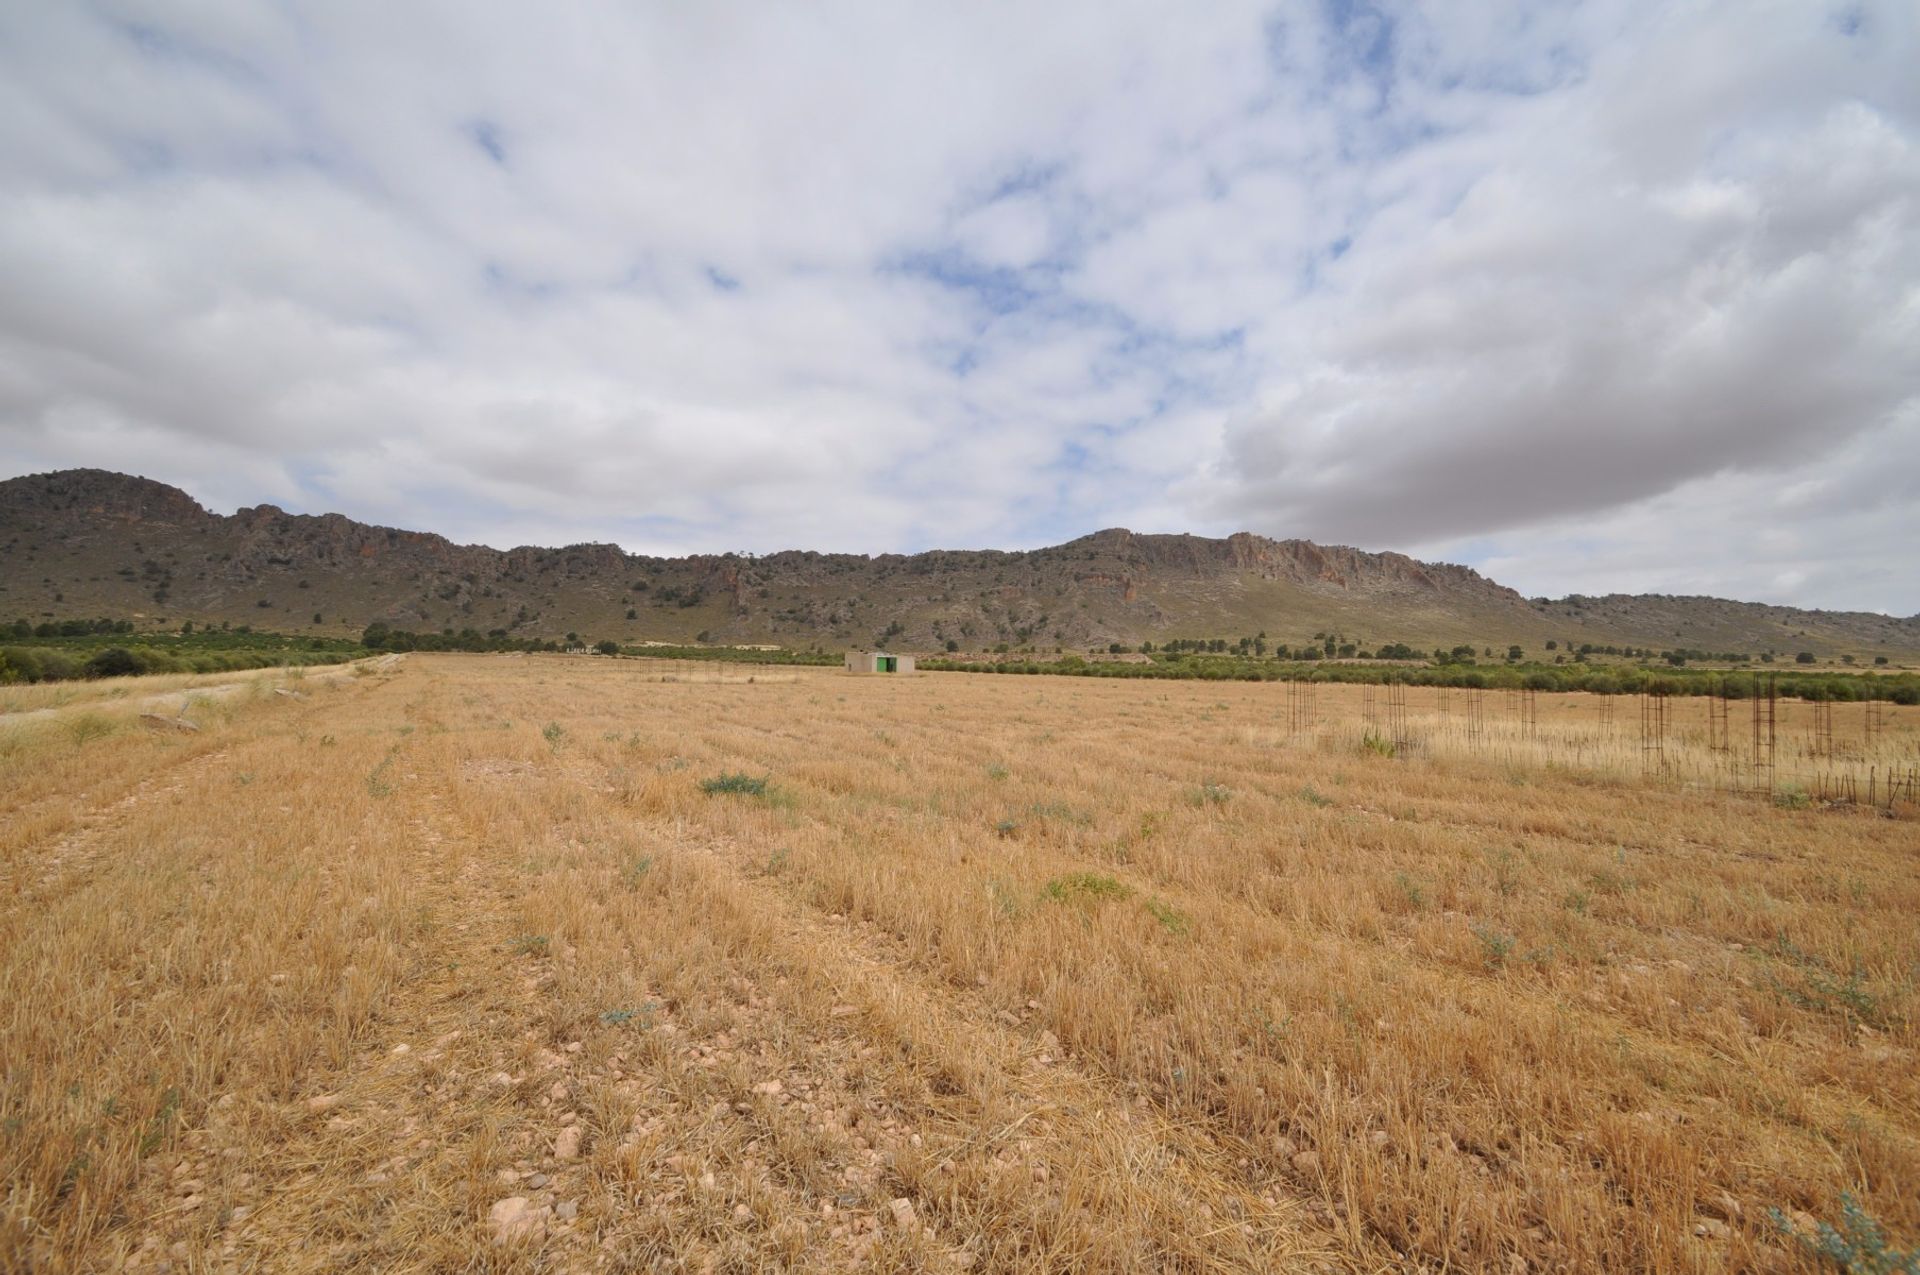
point(552, 964)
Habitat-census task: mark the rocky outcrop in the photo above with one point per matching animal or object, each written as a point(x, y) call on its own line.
point(90, 542)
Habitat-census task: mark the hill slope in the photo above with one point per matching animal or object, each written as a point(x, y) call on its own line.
point(90, 542)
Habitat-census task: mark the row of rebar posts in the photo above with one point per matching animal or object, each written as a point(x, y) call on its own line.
point(1397, 713)
point(1765, 730)
point(1300, 706)
point(1655, 730)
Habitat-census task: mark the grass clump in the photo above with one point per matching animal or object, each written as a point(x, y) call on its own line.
point(1793, 797)
point(1212, 794)
point(1171, 919)
point(1077, 887)
point(737, 783)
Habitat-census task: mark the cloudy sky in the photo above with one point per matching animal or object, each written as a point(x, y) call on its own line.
point(1601, 296)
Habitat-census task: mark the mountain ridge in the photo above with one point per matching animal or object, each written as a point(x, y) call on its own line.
point(89, 541)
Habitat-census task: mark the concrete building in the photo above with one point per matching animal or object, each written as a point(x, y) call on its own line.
point(878, 662)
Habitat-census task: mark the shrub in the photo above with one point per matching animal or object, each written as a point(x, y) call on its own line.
point(1856, 1245)
point(115, 661)
point(1495, 946)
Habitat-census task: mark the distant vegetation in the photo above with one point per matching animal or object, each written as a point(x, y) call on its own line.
point(70, 649)
point(56, 651)
point(1599, 680)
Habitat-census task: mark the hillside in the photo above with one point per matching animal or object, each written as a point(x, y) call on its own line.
point(91, 542)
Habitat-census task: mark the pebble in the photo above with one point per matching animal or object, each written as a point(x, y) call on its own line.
point(567, 1145)
point(325, 1102)
point(568, 1211)
point(903, 1216)
point(1305, 1161)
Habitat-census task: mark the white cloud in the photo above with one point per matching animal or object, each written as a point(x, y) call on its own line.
point(1517, 282)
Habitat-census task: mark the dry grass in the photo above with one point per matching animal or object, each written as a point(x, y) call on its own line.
point(995, 974)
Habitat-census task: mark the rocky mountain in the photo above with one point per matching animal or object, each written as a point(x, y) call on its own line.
point(90, 542)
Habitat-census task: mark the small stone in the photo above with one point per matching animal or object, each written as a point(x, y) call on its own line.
point(325, 1102)
point(567, 1211)
point(707, 1181)
point(397, 1050)
point(278, 978)
point(538, 1180)
point(1378, 1139)
point(559, 1091)
point(768, 1087)
point(1712, 1229)
point(903, 1216)
point(567, 1145)
point(1284, 1147)
point(1724, 1206)
point(742, 1213)
point(1305, 1161)
point(573, 1046)
point(515, 1218)
point(240, 1213)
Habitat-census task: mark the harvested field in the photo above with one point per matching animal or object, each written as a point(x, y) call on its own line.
point(576, 965)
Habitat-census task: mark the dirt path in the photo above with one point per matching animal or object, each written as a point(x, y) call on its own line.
point(177, 702)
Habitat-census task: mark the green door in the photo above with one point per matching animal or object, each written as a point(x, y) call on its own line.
point(888, 664)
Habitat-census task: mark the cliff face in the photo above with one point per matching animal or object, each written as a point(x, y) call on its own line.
point(90, 542)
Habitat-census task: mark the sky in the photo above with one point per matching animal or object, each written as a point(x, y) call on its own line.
point(1606, 296)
